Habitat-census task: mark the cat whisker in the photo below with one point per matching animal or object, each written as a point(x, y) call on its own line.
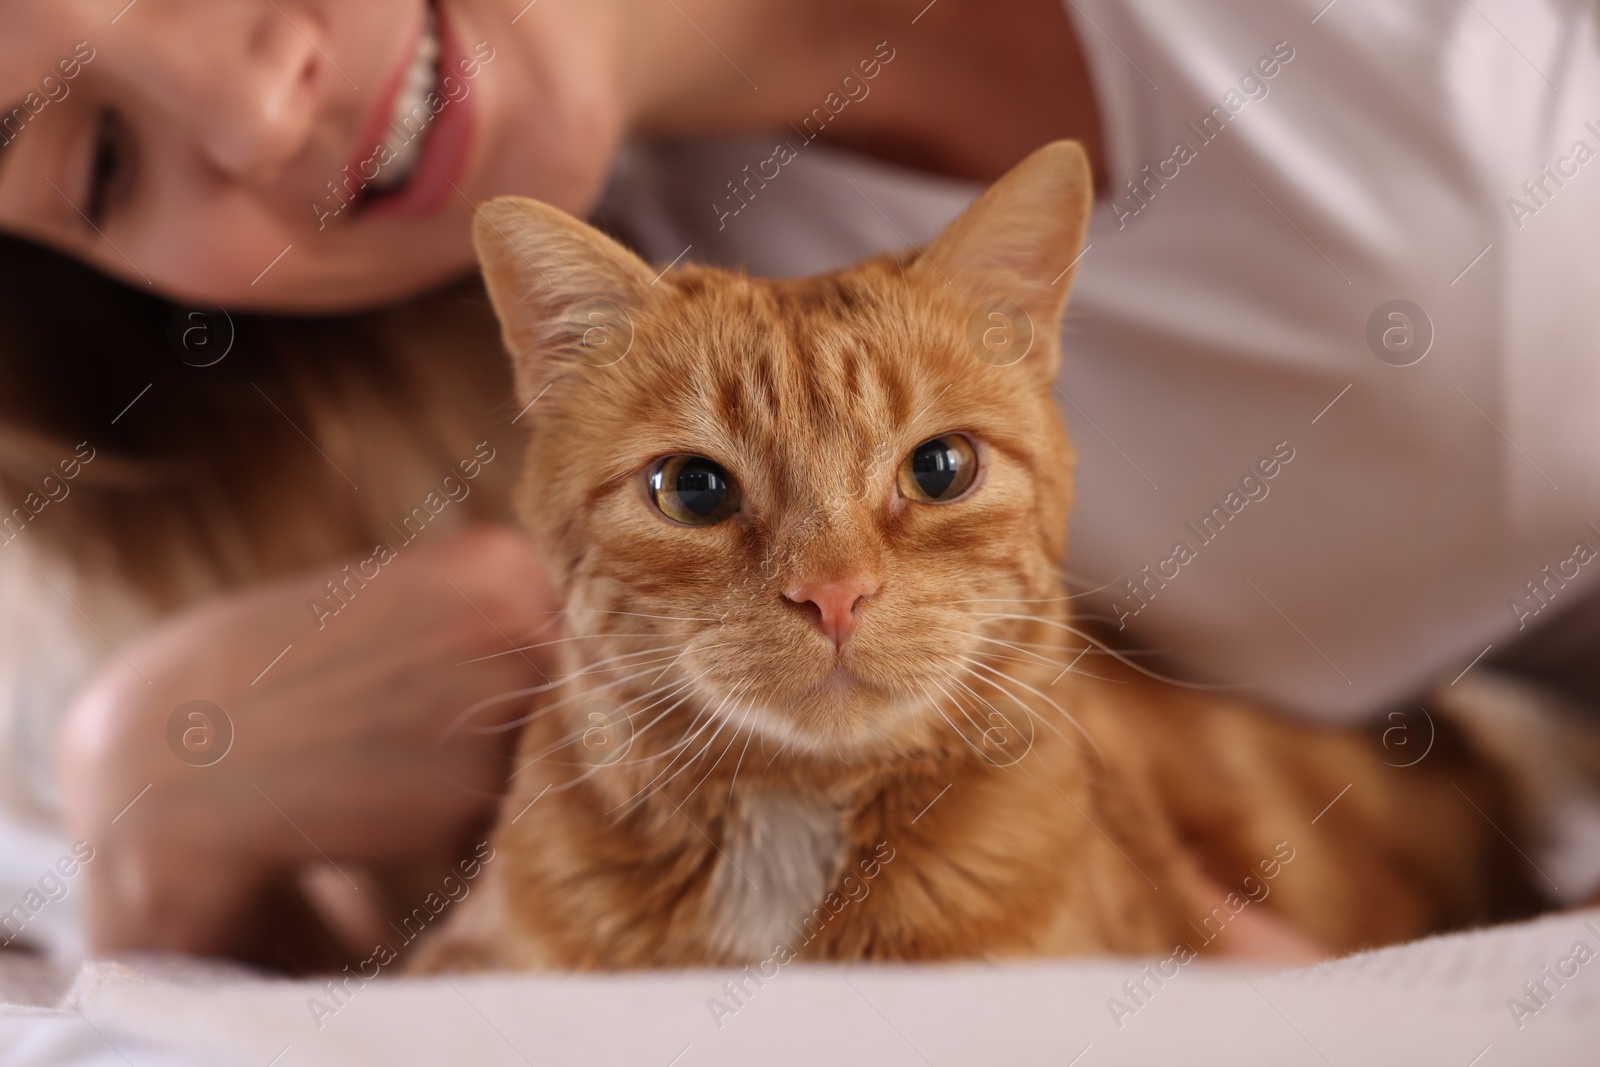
point(710, 717)
point(641, 760)
point(1055, 646)
point(677, 692)
point(1113, 653)
point(486, 703)
point(745, 718)
point(1088, 616)
point(961, 707)
point(722, 721)
point(679, 656)
point(1073, 668)
point(660, 693)
point(996, 713)
point(1079, 652)
point(1026, 708)
point(1085, 584)
point(1025, 646)
point(594, 768)
point(466, 716)
point(600, 666)
point(655, 695)
point(735, 779)
point(1035, 656)
point(965, 712)
point(956, 729)
point(668, 660)
point(788, 742)
point(551, 644)
point(643, 615)
point(999, 674)
point(540, 712)
point(922, 706)
point(677, 696)
point(1012, 600)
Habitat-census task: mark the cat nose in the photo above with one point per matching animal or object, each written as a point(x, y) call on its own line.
point(832, 604)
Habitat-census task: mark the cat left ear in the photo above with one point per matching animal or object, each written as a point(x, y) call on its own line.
point(1019, 243)
point(565, 292)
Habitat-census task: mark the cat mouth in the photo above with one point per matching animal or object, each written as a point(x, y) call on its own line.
point(840, 681)
point(845, 685)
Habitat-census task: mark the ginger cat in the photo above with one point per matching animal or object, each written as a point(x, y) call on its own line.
point(820, 691)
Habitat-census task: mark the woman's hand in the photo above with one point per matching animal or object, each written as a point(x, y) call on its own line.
point(339, 753)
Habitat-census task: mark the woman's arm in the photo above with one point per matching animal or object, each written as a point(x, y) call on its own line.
point(339, 751)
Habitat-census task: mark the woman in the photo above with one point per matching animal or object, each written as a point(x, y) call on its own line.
point(263, 121)
point(1272, 184)
point(313, 158)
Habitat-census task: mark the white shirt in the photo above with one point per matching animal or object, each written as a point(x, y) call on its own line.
point(1224, 317)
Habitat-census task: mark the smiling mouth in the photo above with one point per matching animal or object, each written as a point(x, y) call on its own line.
point(404, 141)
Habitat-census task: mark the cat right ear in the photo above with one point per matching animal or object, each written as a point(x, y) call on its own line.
point(565, 293)
point(1019, 244)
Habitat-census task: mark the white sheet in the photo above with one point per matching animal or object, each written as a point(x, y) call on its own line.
point(1441, 1001)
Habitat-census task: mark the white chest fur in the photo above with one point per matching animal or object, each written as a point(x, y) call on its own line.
point(777, 863)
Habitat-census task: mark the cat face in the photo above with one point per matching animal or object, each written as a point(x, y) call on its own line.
point(803, 501)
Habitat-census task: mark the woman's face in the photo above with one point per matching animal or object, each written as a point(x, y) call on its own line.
point(292, 154)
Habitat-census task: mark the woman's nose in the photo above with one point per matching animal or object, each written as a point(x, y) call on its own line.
point(256, 95)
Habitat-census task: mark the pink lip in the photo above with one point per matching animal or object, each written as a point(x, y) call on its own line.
point(449, 138)
point(372, 132)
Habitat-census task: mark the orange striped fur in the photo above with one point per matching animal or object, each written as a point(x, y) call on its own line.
point(708, 780)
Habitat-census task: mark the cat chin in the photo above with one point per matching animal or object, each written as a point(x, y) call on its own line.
point(844, 723)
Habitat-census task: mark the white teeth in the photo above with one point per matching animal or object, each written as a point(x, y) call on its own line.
point(411, 118)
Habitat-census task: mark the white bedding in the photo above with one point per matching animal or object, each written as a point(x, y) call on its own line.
point(1440, 1001)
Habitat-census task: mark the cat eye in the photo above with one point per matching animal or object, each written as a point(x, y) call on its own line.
point(693, 490)
point(939, 470)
